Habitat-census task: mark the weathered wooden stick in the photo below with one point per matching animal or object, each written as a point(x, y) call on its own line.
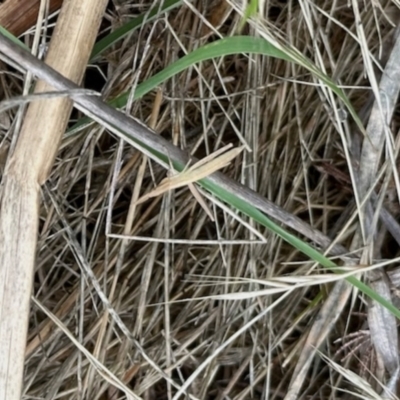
point(27, 169)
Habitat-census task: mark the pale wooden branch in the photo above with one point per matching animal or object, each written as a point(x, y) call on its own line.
point(28, 167)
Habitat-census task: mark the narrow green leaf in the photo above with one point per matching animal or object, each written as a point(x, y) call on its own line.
point(119, 33)
point(10, 36)
point(250, 11)
point(132, 25)
point(305, 248)
point(252, 212)
point(225, 47)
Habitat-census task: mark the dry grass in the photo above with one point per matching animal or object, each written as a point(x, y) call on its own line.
point(176, 281)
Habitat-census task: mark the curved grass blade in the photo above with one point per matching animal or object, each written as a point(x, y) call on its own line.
point(132, 25)
point(250, 11)
point(299, 244)
point(225, 47)
point(119, 33)
point(258, 216)
point(10, 36)
point(229, 46)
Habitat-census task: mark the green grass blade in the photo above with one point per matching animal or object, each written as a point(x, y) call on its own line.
point(252, 212)
point(119, 33)
point(219, 48)
point(305, 248)
point(250, 11)
point(225, 47)
point(132, 25)
point(10, 36)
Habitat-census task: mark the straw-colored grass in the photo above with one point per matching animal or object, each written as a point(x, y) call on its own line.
point(176, 294)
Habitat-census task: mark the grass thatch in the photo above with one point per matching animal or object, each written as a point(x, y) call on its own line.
point(188, 288)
